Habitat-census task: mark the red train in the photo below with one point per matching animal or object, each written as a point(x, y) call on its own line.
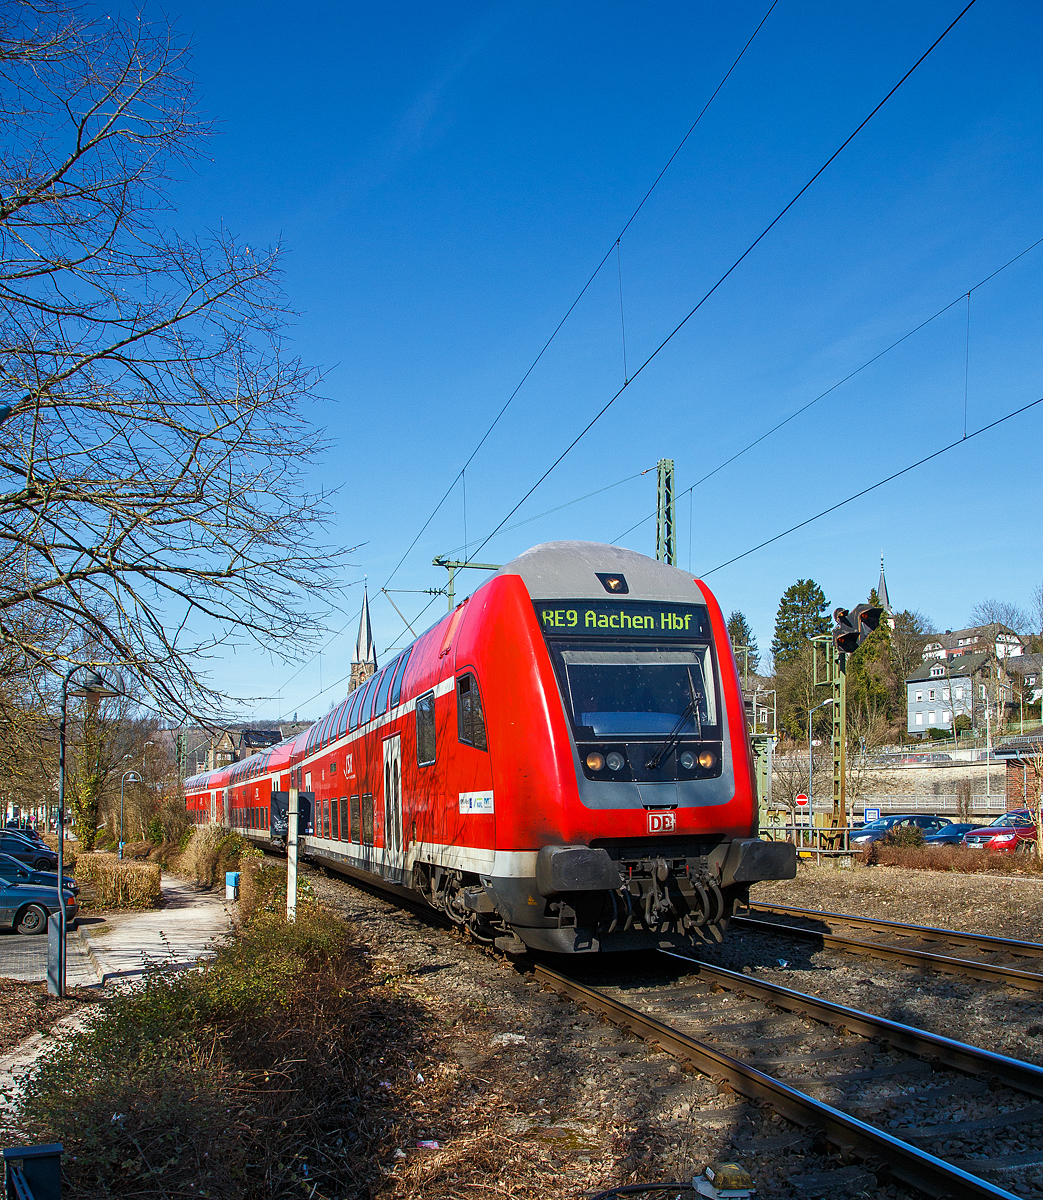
point(563, 760)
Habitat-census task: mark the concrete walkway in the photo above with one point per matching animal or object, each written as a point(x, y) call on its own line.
point(122, 946)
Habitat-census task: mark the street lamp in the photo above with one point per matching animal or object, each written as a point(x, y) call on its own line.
point(92, 690)
point(134, 777)
point(811, 757)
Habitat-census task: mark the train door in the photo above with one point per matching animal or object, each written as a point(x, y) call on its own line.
point(393, 793)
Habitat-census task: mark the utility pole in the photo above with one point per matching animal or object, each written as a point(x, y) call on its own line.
point(454, 565)
point(666, 523)
point(291, 856)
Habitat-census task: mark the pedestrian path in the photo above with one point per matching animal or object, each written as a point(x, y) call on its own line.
point(175, 936)
point(25, 959)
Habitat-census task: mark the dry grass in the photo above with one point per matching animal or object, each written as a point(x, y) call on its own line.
point(119, 884)
point(950, 858)
point(211, 851)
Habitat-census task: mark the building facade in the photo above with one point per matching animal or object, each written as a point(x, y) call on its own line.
point(979, 639)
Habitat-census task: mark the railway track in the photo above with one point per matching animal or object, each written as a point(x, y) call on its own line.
point(906, 953)
point(776, 1046)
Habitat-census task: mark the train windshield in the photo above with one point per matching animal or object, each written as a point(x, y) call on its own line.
point(641, 692)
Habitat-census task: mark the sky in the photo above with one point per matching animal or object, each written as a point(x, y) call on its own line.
point(444, 179)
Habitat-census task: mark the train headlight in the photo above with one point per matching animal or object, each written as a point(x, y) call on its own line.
point(707, 760)
point(688, 760)
point(615, 761)
point(596, 761)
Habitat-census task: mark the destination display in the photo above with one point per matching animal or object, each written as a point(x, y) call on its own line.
point(613, 618)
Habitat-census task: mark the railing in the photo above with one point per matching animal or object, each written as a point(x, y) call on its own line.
point(812, 840)
point(944, 803)
point(33, 1172)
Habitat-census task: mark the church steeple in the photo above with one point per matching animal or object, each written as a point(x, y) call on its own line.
point(365, 663)
point(881, 591)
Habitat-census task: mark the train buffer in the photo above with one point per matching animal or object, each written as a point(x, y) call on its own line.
point(33, 1172)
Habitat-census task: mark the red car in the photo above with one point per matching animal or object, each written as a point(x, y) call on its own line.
point(1014, 831)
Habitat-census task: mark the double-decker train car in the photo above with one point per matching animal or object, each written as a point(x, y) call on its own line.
point(562, 761)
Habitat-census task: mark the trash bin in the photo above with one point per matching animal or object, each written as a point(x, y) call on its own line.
point(231, 885)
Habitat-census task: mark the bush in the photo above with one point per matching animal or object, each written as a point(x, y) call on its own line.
point(258, 1075)
point(154, 831)
point(903, 835)
point(948, 858)
point(209, 852)
point(119, 884)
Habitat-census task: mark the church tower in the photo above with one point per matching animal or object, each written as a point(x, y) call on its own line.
point(365, 663)
point(881, 591)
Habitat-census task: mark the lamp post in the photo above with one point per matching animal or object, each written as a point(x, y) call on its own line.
point(134, 777)
point(811, 758)
point(92, 690)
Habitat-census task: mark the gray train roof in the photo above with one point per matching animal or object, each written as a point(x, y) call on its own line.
point(562, 570)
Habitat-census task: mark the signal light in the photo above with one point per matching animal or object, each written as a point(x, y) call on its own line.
point(850, 629)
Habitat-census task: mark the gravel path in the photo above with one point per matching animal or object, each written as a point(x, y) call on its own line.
point(602, 1107)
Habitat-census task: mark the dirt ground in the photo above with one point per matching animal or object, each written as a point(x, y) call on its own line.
point(26, 1008)
point(998, 905)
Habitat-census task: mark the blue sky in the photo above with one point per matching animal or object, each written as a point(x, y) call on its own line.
point(445, 178)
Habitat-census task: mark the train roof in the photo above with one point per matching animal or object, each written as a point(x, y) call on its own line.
point(568, 570)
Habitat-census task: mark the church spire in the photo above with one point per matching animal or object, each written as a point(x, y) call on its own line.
point(881, 591)
point(365, 663)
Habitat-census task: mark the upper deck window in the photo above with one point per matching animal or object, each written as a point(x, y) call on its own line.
point(386, 676)
point(396, 687)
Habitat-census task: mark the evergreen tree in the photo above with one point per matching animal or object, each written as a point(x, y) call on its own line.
point(741, 634)
point(802, 615)
point(870, 696)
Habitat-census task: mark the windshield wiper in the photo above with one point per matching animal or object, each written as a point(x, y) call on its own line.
point(674, 736)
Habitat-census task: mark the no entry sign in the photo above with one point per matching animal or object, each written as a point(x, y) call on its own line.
point(802, 801)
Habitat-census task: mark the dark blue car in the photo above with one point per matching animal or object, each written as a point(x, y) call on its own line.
point(12, 871)
point(25, 907)
point(951, 835)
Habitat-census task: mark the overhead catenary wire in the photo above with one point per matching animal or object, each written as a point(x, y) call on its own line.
point(731, 269)
point(581, 293)
point(873, 486)
point(851, 375)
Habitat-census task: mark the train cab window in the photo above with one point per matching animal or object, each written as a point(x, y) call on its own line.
point(400, 670)
point(335, 820)
point(355, 826)
point(367, 819)
point(387, 677)
point(469, 716)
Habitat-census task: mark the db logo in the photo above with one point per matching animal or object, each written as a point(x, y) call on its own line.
point(661, 822)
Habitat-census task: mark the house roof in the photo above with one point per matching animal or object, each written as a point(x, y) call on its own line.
point(1026, 746)
point(1024, 664)
point(963, 666)
point(950, 640)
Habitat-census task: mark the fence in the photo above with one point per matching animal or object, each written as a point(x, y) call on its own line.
point(943, 803)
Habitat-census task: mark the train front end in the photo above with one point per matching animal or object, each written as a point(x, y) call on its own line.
point(633, 805)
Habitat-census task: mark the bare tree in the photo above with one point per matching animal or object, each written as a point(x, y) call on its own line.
point(153, 444)
point(1001, 612)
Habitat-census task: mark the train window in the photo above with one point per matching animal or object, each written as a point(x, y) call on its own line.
point(354, 819)
point(342, 719)
point(366, 702)
point(396, 687)
point(367, 819)
point(335, 820)
point(325, 818)
point(469, 716)
point(333, 767)
point(353, 707)
point(425, 729)
point(386, 678)
point(368, 711)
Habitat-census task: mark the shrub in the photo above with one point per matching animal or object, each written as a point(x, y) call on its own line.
point(119, 884)
point(949, 858)
point(904, 835)
point(154, 831)
point(220, 1082)
point(209, 853)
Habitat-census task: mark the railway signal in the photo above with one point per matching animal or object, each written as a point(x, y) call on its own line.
point(850, 629)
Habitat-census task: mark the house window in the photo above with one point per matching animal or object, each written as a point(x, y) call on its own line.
point(959, 693)
point(918, 720)
point(919, 697)
point(936, 671)
point(931, 718)
point(946, 717)
point(930, 694)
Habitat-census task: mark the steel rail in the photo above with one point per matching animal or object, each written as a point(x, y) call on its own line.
point(880, 1150)
point(1027, 980)
point(934, 1047)
point(927, 932)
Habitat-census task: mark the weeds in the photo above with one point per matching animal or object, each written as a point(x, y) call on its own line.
point(208, 853)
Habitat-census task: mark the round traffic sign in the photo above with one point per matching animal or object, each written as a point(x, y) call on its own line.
point(801, 800)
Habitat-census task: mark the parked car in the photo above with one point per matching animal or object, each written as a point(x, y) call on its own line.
point(40, 858)
point(880, 828)
point(12, 871)
point(1013, 831)
point(949, 835)
point(25, 907)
